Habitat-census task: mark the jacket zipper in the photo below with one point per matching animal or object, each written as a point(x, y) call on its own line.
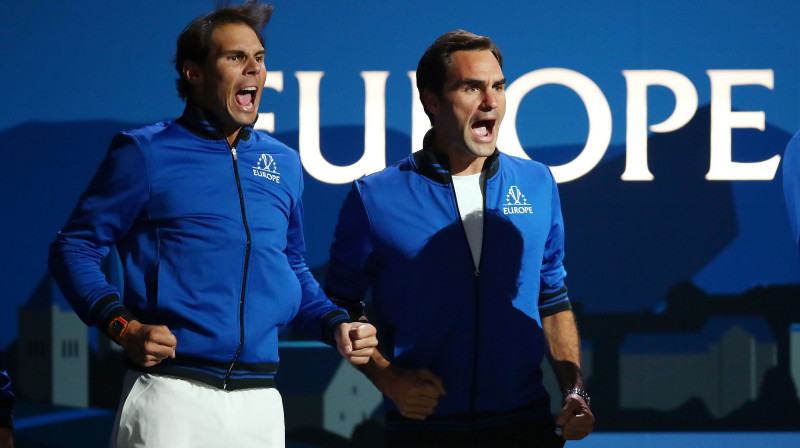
point(476, 355)
point(477, 273)
point(246, 262)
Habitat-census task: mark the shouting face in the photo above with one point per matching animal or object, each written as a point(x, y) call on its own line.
point(468, 114)
point(230, 82)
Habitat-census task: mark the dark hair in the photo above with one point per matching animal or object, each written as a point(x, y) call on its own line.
point(194, 43)
point(435, 64)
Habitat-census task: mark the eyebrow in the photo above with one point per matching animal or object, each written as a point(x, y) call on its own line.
point(244, 52)
point(478, 82)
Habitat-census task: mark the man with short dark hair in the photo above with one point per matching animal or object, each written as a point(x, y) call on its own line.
point(463, 248)
point(206, 214)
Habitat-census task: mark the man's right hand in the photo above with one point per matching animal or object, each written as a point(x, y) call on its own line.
point(415, 392)
point(148, 345)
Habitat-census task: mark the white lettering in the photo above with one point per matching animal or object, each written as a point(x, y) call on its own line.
point(597, 109)
point(374, 157)
point(723, 119)
point(636, 134)
point(266, 121)
point(517, 210)
point(420, 123)
point(267, 175)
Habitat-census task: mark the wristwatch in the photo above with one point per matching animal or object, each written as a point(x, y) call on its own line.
point(117, 328)
point(580, 392)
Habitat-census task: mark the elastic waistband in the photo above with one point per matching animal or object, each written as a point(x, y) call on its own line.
point(216, 374)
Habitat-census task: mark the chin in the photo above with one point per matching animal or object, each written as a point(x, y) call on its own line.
point(483, 151)
point(241, 119)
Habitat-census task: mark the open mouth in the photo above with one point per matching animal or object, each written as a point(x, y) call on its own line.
point(246, 98)
point(484, 129)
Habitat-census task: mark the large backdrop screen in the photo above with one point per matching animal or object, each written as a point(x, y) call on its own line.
point(664, 123)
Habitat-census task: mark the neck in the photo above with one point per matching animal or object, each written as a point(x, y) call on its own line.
point(462, 163)
point(231, 135)
point(466, 167)
point(212, 121)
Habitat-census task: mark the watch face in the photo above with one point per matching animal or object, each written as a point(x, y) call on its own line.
point(116, 328)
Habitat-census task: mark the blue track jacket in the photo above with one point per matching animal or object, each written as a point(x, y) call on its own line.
point(479, 330)
point(791, 184)
point(211, 240)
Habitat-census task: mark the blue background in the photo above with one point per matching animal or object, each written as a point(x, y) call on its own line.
point(74, 73)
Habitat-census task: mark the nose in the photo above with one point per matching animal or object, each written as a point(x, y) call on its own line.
point(253, 66)
point(489, 102)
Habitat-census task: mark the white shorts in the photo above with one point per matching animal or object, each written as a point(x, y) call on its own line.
point(161, 411)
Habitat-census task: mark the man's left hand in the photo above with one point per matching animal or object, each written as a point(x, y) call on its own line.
point(356, 341)
point(575, 419)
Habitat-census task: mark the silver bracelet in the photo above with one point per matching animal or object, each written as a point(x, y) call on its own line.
point(581, 393)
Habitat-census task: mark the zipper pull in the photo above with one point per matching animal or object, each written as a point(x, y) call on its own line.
point(233, 152)
point(477, 272)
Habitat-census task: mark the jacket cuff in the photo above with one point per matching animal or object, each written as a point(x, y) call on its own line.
point(107, 309)
point(330, 323)
point(354, 307)
point(554, 302)
point(555, 309)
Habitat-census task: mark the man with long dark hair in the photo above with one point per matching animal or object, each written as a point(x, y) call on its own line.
point(206, 214)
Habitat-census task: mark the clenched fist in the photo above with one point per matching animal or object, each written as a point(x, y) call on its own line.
point(148, 345)
point(356, 341)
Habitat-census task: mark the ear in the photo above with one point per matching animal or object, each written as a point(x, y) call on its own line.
point(192, 73)
point(431, 101)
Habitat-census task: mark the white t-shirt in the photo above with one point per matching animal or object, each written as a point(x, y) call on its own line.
point(469, 196)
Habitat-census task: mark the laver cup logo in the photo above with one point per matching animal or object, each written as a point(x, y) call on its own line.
point(267, 168)
point(516, 203)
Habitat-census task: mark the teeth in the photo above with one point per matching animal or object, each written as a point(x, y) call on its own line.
point(250, 89)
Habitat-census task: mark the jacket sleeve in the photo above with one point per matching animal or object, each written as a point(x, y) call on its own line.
point(6, 398)
point(791, 185)
point(351, 268)
point(317, 315)
point(105, 212)
point(552, 290)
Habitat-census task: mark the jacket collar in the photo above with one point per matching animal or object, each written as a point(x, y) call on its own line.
point(203, 123)
point(436, 165)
